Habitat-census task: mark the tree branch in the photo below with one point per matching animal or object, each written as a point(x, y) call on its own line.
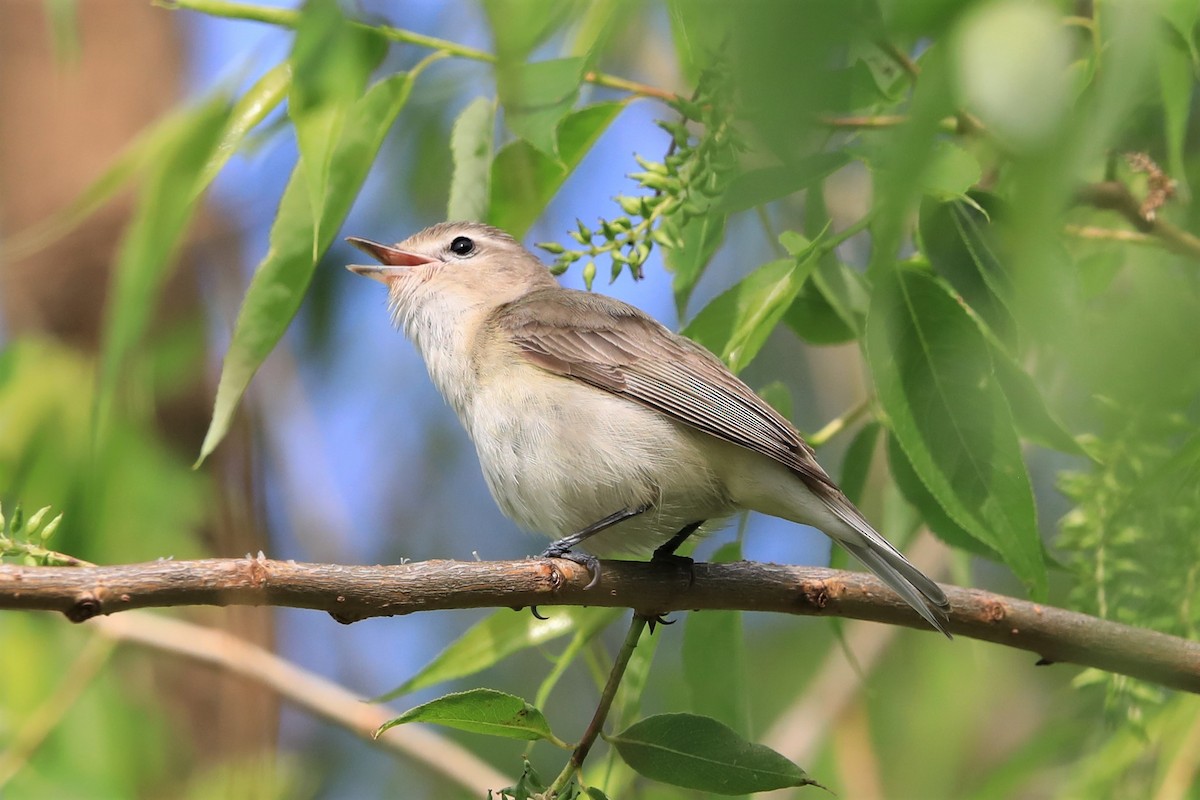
point(1115, 196)
point(351, 593)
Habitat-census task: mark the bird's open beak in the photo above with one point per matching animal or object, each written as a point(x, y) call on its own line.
point(393, 260)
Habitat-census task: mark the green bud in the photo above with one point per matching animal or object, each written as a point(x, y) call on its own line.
point(589, 274)
point(552, 247)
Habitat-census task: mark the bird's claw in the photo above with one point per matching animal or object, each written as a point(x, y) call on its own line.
point(585, 560)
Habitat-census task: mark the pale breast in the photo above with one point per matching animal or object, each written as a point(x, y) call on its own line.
point(559, 455)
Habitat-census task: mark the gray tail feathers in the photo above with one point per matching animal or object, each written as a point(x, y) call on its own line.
point(925, 596)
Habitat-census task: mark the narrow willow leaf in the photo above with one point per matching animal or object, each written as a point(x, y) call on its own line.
point(537, 96)
point(250, 109)
point(714, 659)
point(485, 711)
point(164, 209)
point(737, 323)
point(1176, 67)
point(700, 753)
point(937, 385)
point(490, 641)
point(525, 179)
point(283, 275)
point(471, 148)
point(699, 239)
point(331, 60)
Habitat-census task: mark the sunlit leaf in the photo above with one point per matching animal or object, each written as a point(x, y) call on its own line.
point(331, 60)
point(937, 385)
point(485, 711)
point(283, 275)
point(525, 179)
point(155, 233)
point(737, 323)
point(700, 753)
point(471, 147)
point(537, 96)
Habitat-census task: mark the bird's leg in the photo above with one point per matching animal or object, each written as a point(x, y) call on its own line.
point(666, 553)
point(563, 547)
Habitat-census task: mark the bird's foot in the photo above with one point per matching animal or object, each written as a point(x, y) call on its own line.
point(683, 563)
point(585, 560)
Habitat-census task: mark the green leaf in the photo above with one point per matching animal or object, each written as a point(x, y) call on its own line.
point(714, 659)
point(1182, 16)
point(1176, 81)
point(536, 97)
point(700, 753)
point(699, 239)
point(519, 26)
point(957, 238)
point(778, 396)
point(485, 711)
point(331, 61)
point(737, 323)
point(1033, 417)
point(493, 639)
point(155, 233)
point(471, 146)
point(759, 186)
point(525, 179)
point(928, 507)
point(283, 275)
point(936, 382)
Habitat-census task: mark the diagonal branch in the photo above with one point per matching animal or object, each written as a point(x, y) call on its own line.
point(351, 593)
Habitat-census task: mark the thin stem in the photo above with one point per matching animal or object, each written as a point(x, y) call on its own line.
point(839, 424)
point(900, 57)
point(636, 626)
point(289, 18)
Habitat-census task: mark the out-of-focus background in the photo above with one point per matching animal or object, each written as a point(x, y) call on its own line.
point(343, 451)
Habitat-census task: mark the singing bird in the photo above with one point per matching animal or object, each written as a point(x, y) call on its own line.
point(598, 426)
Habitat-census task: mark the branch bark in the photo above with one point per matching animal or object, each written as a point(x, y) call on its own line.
point(351, 593)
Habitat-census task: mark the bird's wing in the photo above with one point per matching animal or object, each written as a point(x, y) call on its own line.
point(617, 348)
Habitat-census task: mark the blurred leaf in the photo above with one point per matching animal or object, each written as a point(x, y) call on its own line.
point(936, 382)
point(283, 275)
point(950, 172)
point(155, 233)
point(714, 659)
point(331, 60)
point(1176, 81)
point(957, 239)
point(519, 26)
point(63, 17)
point(471, 146)
point(249, 110)
point(1029, 409)
point(536, 97)
point(759, 186)
point(856, 466)
point(698, 33)
point(493, 639)
point(700, 238)
point(1182, 16)
point(485, 711)
point(700, 753)
point(737, 323)
point(601, 23)
point(525, 179)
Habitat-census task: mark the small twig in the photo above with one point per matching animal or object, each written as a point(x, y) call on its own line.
point(900, 57)
point(353, 593)
point(1110, 234)
point(579, 755)
point(839, 424)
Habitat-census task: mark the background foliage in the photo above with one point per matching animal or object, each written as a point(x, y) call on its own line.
point(962, 231)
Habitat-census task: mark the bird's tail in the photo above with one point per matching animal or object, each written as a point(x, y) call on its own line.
point(918, 590)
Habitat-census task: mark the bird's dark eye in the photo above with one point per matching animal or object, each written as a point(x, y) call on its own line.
point(462, 246)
